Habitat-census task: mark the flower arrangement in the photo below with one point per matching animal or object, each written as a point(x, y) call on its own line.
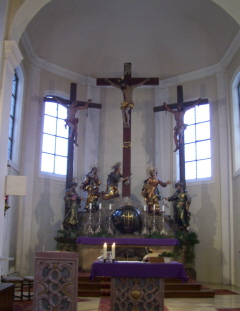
point(166, 254)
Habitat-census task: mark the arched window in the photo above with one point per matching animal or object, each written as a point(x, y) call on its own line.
point(12, 115)
point(235, 122)
point(197, 138)
point(15, 122)
point(54, 139)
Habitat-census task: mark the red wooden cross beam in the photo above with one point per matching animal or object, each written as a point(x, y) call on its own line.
point(127, 85)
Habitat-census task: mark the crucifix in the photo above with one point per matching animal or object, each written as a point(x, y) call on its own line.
point(127, 85)
point(72, 105)
point(179, 109)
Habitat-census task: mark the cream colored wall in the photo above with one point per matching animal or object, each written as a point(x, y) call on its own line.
point(232, 70)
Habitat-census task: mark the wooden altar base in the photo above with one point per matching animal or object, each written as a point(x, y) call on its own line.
point(173, 288)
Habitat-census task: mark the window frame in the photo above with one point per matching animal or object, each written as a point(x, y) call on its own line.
point(18, 125)
point(235, 123)
point(44, 174)
point(12, 117)
point(196, 180)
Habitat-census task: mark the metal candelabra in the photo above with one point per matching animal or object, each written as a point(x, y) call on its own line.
point(109, 225)
point(90, 229)
point(99, 229)
point(145, 230)
point(154, 225)
point(163, 231)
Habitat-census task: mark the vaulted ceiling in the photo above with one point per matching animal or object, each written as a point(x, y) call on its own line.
point(161, 38)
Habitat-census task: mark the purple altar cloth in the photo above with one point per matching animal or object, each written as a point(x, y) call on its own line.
point(122, 241)
point(139, 270)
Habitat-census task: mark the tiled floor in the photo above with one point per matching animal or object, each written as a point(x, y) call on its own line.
point(186, 304)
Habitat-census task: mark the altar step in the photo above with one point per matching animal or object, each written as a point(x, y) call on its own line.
point(173, 288)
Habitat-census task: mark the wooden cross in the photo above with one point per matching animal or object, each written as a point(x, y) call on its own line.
point(133, 82)
point(70, 158)
point(181, 146)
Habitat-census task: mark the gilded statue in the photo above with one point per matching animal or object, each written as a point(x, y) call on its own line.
point(91, 185)
point(73, 202)
point(112, 182)
point(181, 207)
point(150, 190)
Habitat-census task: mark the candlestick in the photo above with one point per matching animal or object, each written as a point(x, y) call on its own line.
point(145, 230)
point(105, 251)
point(154, 225)
point(90, 206)
point(163, 208)
point(163, 231)
point(113, 251)
point(100, 205)
point(90, 229)
point(154, 207)
point(110, 207)
point(99, 229)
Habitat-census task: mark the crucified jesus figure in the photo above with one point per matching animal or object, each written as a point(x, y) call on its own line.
point(179, 118)
point(71, 121)
point(127, 103)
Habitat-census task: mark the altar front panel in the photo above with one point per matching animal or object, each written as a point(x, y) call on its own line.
point(139, 294)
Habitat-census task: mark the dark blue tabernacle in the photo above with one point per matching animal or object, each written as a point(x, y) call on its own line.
point(122, 241)
point(139, 270)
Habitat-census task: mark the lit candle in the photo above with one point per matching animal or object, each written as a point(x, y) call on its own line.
point(113, 251)
point(110, 207)
point(90, 206)
point(144, 208)
point(154, 207)
point(105, 251)
point(100, 205)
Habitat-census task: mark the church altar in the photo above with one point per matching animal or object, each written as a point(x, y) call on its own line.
point(138, 285)
point(90, 248)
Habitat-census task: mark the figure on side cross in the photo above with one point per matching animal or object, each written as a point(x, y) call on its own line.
point(71, 120)
point(127, 104)
point(179, 118)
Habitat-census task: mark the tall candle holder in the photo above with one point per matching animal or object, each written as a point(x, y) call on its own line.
point(99, 228)
point(110, 231)
point(163, 231)
point(154, 225)
point(144, 230)
point(90, 229)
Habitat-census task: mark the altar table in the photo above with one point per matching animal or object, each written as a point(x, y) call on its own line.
point(138, 286)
